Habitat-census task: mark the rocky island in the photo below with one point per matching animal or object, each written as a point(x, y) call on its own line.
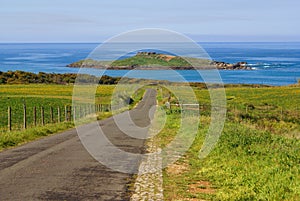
point(157, 61)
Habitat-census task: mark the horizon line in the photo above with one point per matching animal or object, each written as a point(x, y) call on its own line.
point(94, 42)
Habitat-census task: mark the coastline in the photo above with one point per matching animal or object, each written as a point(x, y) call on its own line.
point(273, 63)
point(23, 77)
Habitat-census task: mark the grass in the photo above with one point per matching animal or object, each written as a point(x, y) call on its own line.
point(155, 60)
point(15, 138)
point(150, 60)
point(37, 95)
point(274, 109)
point(247, 164)
point(256, 158)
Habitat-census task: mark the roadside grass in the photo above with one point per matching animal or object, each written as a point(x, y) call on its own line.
point(15, 138)
point(245, 165)
point(256, 158)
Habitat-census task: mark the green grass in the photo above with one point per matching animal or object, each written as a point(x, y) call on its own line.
point(46, 96)
point(14, 138)
point(256, 158)
point(37, 95)
point(274, 109)
point(150, 60)
point(247, 164)
point(143, 61)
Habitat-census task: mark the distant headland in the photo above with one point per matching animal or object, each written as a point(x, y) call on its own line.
point(157, 61)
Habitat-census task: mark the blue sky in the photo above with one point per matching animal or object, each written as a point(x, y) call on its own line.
point(98, 20)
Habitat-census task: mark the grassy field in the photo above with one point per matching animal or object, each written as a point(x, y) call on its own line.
point(37, 95)
point(46, 96)
point(257, 156)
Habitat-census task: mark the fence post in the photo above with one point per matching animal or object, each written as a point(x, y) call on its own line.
point(83, 110)
point(74, 113)
point(43, 116)
point(24, 116)
point(58, 114)
point(79, 111)
point(34, 115)
point(51, 114)
point(9, 118)
point(70, 113)
point(66, 113)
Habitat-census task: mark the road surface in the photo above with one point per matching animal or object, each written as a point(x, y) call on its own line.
point(59, 167)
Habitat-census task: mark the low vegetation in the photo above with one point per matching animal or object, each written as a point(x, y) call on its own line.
point(257, 156)
point(22, 77)
point(46, 96)
point(151, 60)
point(144, 60)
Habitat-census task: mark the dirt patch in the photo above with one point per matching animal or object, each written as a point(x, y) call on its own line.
point(176, 169)
point(167, 57)
point(202, 187)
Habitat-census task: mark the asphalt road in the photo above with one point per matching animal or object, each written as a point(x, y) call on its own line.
point(59, 167)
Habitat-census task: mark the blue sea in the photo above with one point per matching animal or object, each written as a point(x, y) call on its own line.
point(273, 63)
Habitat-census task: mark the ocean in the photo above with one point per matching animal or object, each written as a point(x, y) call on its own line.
point(273, 63)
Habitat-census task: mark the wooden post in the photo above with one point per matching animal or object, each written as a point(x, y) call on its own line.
point(42, 116)
point(9, 118)
point(66, 113)
point(83, 110)
point(51, 114)
point(70, 114)
point(24, 117)
point(281, 111)
point(34, 116)
point(74, 113)
point(246, 109)
point(58, 114)
point(79, 111)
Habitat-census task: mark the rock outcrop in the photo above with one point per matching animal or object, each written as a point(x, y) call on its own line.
point(228, 66)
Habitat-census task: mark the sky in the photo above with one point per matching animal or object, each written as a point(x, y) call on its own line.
point(98, 20)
